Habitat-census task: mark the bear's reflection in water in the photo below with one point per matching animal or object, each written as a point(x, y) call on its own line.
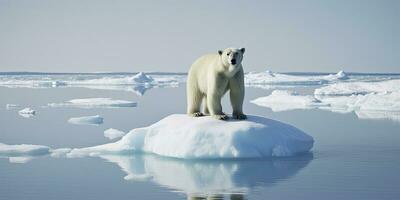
point(209, 179)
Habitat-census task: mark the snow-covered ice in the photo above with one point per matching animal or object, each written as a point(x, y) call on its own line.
point(95, 103)
point(112, 133)
point(281, 100)
point(89, 120)
point(181, 136)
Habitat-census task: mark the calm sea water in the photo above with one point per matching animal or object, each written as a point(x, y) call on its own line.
point(352, 158)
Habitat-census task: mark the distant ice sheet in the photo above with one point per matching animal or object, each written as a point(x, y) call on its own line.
point(89, 120)
point(137, 83)
point(258, 79)
point(95, 103)
point(340, 89)
point(181, 136)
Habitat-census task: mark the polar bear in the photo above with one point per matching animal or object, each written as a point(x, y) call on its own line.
point(210, 77)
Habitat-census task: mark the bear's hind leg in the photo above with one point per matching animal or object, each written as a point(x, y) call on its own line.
point(206, 110)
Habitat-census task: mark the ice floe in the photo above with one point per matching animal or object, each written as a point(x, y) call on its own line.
point(20, 150)
point(112, 133)
point(281, 100)
point(181, 136)
point(374, 105)
point(95, 103)
point(89, 120)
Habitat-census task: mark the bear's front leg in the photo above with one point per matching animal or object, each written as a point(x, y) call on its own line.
point(214, 106)
point(236, 93)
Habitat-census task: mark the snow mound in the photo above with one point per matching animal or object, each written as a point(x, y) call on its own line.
point(23, 150)
point(89, 120)
point(113, 133)
point(281, 100)
point(185, 137)
point(349, 88)
point(95, 103)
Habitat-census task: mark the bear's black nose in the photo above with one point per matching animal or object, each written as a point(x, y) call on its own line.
point(233, 61)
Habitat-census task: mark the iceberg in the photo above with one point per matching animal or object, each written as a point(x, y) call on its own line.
point(181, 136)
point(89, 120)
point(112, 133)
point(282, 100)
point(95, 103)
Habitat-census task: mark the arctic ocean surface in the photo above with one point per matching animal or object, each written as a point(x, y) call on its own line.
point(355, 131)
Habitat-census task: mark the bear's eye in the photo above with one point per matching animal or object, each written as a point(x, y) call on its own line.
point(228, 53)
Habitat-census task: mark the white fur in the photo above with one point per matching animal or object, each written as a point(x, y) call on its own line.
point(210, 77)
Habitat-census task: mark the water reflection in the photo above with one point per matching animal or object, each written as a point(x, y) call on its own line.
point(212, 179)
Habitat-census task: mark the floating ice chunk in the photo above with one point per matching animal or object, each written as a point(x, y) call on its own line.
point(281, 100)
point(27, 111)
point(113, 133)
point(22, 150)
point(89, 120)
point(95, 103)
point(181, 136)
point(349, 88)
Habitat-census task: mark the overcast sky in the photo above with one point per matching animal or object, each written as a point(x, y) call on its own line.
point(297, 35)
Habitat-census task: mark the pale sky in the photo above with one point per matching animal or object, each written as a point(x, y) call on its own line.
point(131, 36)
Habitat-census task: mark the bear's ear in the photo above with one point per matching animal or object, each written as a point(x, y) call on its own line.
point(242, 50)
point(220, 52)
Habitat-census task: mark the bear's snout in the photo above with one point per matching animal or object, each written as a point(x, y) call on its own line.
point(233, 61)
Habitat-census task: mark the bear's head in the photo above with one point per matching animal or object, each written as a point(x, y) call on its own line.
point(231, 58)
